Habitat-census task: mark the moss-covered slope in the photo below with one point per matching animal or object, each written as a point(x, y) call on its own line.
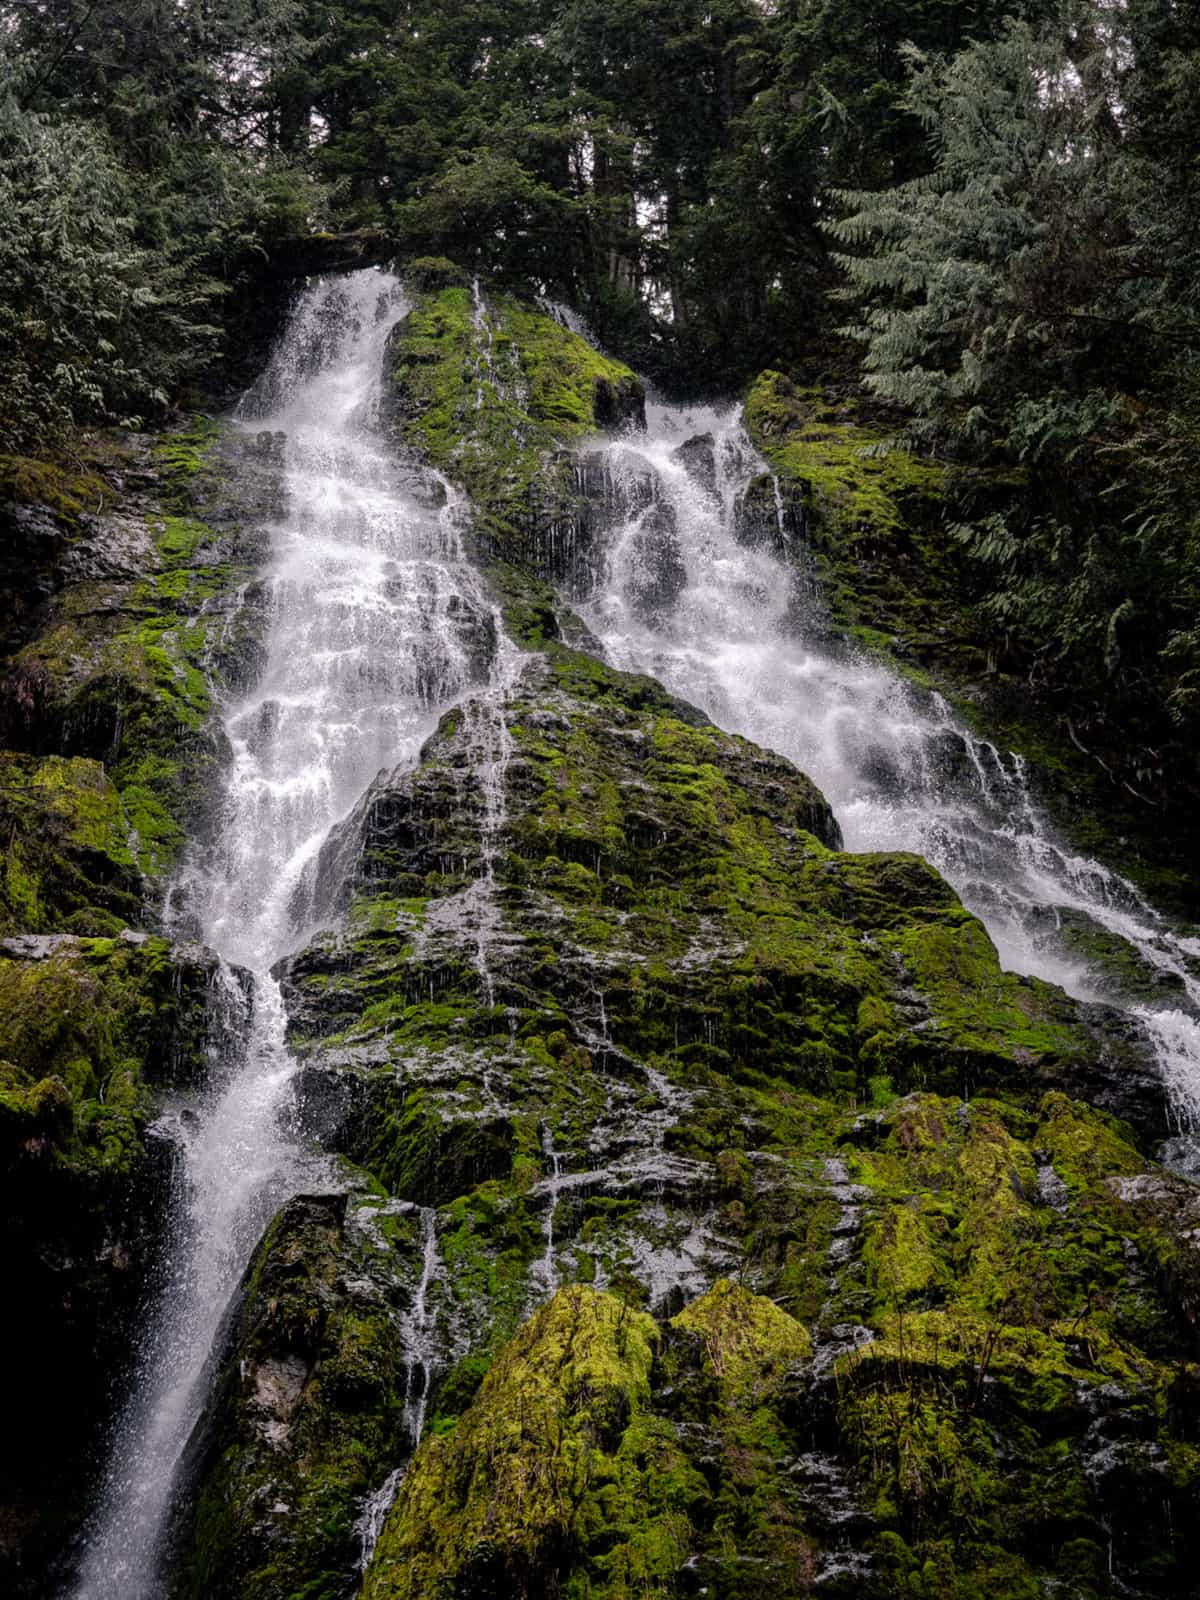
point(877, 524)
point(145, 616)
point(991, 1393)
point(69, 863)
point(607, 1001)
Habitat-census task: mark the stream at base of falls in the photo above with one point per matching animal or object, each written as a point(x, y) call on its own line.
point(722, 622)
point(375, 625)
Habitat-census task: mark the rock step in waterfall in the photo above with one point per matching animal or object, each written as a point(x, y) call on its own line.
point(570, 1000)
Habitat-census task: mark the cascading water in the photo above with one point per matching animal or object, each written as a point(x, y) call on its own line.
point(739, 634)
point(373, 631)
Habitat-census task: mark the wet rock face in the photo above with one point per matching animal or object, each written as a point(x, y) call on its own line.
point(309, 1415)
point(31, 545)
point(609, 490)
point(89, 1029)
point(770, 514)
point(121, 608)
point(1121, 1076)
point(698, 457)
point(716, 1210)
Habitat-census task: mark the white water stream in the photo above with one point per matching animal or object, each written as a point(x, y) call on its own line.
point(742, 637)
point(374, 628)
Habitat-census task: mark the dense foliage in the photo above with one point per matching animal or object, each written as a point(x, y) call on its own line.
point(1031, 304)
point(661, 165)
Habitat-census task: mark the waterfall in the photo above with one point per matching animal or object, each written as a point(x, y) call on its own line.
point(373, 630)
point(741, 635)
point(376, 625)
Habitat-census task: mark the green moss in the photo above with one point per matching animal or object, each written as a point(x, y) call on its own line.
point(69, 490)
point(855, 479)
point(993, 1315)
point(122, 671)
point(539, 1466)
point(97, 1018)
point(68, 860)
point(488, 390)
point(185, 455)
point(749, 1343)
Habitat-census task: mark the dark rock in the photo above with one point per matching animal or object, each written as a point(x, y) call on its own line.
point(770, 515)
point(32, 542)
point(698, 457)
point(309, 1409)
point(86, 1184)
point(1121, 1075)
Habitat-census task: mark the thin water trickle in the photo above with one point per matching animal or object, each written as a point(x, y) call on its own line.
point(373, 631)
point(419, 1330)
point(552, 1185)
point(743, 639)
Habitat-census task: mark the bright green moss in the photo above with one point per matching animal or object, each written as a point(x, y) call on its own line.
point(749, 1343)
point(846, 464)
point(184, 456)
point(68, 490)
point(68, 861)
point(487, 389)
point(536, 1464)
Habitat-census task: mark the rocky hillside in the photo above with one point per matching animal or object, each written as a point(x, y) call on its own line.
point(720, 1214)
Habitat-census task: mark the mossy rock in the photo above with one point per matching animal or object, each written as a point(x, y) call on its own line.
point(537, 1468)
point(432, 274)
point(88, 1028)
point(858, 478)
point(493, 391)
point(1023, 1324)
point(875, 521)
point(123, 665)
point(68, 865)
point(632, 827)
point(42, 506)
point(675, 1000)
point(306, 1418)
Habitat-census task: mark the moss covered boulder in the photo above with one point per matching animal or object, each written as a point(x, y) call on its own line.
point(541, 1467)
point(869, 515)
